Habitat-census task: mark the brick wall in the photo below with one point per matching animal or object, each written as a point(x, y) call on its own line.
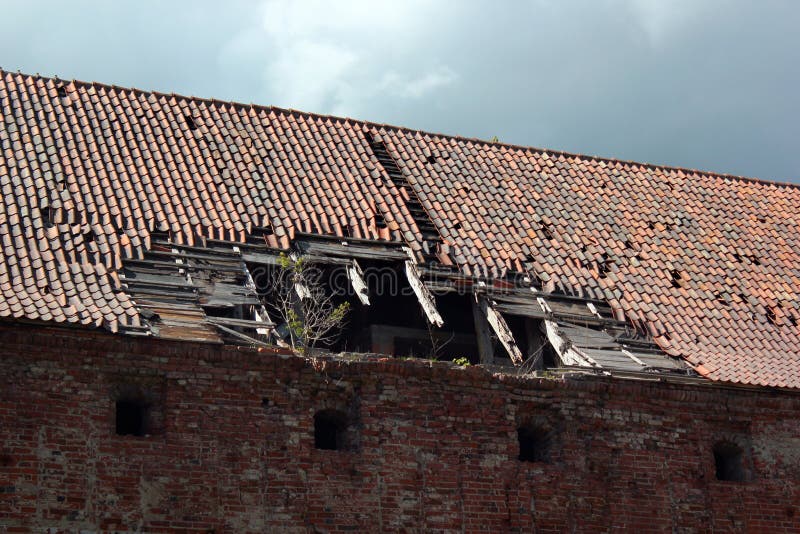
point(432, 447)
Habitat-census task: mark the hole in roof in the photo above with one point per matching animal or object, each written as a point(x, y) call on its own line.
point(89, 237)
point(772, 317)
point(431, 159)
point(457, 226)
point(721, 299)
point(737, 257)
point(347, 231)
point(62, 91)
point(47, 216)
point(265, 401)
point(121, 232)
point(46, 290)
point(628, 245)
point(651, 226)
point(380, 221)
point(668, 227)
point(603, 265)
point(742, 297)
point(676, 277)
point(548, 233)
point(190, 122)
point(762, 219)
point(792, 319)
point(755, 259)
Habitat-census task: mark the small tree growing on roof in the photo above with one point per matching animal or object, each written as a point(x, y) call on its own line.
point(309, 312)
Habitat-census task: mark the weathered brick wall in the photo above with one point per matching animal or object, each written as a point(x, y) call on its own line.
point(436, 445)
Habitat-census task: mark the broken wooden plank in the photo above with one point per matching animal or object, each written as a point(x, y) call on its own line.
point(501, 329)
point(244, 323)
point(239, 335)
point(423, 295)
point(356, 277)
point(349, 249)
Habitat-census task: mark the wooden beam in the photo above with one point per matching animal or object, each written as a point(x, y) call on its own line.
point(502, 330)
point(483, 332)
point(423, 295)
point(356, 277)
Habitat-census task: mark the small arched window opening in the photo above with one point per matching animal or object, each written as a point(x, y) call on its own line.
point(330, 430)
point(729, 461)
point(535, 443)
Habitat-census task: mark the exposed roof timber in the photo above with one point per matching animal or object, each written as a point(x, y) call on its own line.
point(360, 249)
point(424, 296)
point(501, 329)
point(356, 277)
point(241, 336)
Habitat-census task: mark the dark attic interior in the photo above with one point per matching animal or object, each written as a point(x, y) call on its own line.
point(229, 292)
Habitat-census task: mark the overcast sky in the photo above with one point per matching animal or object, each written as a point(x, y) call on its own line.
point(708, 84)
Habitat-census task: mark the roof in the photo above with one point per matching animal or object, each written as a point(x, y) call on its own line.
point(708, 264)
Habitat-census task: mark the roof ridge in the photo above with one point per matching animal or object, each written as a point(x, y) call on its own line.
point(455, 137)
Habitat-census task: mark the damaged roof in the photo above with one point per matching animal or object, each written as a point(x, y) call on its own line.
point(707, 264)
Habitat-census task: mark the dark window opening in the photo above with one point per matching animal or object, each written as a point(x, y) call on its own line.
point(729, 461)
point(535, 443)
point(131, 418)
point(330, 430)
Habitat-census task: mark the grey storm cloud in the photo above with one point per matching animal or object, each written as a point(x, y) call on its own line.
point(707, 84)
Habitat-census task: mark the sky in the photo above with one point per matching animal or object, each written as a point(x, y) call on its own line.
point(703, 84)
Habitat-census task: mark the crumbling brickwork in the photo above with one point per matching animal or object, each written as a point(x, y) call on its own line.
point(429, 446)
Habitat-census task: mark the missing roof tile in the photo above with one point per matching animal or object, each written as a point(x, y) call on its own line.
point(62, 91)
point(546, 231)
point(676, 277)
point(431, 160)
point(380, 221)
point(190, 122)
point(772, 316)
